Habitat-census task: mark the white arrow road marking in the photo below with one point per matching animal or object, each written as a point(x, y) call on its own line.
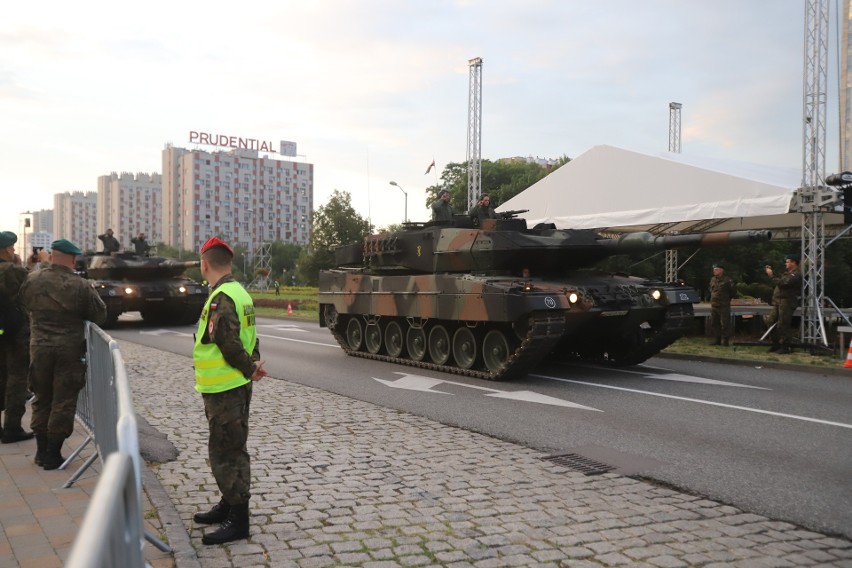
point(699, 401)
point(413, 382)
point(427, 384)
point(165, 332)
point(670, 375)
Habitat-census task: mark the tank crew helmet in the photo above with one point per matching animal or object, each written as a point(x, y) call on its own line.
point(717, 265)
point(216, 242)
point(7, 239)
point(66, 246)
point(792, 256)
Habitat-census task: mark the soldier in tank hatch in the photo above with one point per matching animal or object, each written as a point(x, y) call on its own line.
point(140, 243)
point(482, 210)
point(441, 208)
point(111, 244)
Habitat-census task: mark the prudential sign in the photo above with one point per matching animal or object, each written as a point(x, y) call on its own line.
point(285, 148)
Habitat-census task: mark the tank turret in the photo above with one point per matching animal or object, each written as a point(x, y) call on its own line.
point(495, 301)
point(152, 285)
point(507, 245)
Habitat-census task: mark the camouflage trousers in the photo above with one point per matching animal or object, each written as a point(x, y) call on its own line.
point(720, 321)
point(14, 368)
point(227, 417)
point(782, 314)
point(57, 374)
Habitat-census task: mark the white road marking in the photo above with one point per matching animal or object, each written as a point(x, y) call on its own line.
point(335, 345)
point(670, 375)
point(427, 384)
point(699, 401)
point(165, 332)
point(284, 327)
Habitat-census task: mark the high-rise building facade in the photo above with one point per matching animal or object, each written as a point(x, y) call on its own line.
point(237, 195)
point(35, 229)
point(75, 218)
point(130, 204)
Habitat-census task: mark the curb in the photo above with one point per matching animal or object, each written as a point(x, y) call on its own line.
point(183, 552)
point(813, 369)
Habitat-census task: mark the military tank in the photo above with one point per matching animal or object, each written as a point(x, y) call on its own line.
point(495, 301)
point(152, 285)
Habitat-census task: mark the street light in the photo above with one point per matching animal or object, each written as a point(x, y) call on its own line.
point(406, 199)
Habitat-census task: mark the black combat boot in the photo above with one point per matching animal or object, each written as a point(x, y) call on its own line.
point(235, 527)
point(12, 435)
point(217, 514)
point(52, 454)
point(784, 350)
point(726, 342)
point(41, 448)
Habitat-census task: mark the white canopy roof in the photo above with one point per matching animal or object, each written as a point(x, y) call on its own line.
point(609, 188)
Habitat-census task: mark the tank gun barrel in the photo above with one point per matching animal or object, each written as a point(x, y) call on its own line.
point(646, 241)
point(181, 263)
point(511, 214)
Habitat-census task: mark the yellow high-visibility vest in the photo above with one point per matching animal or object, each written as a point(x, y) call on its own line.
point(212, 372)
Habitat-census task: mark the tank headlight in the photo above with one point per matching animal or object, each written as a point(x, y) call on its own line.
point(656, 294)
point(573, 297)
point(182, 289)
point(128, 291)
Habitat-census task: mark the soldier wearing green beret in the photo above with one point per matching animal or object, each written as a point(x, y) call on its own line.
point(14, 343)
point(722, 290)
point(785, 296)
point(58, 302)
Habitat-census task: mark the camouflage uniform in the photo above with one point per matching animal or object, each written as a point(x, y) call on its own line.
point(784, 298)
point(722, 289)
point(228, 411)
point(14, 352)
point(140, 244)
point(58, 303)
point(480, 212)
point(442, 210)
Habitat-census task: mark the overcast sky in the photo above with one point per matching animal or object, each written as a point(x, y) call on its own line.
point(373, 90)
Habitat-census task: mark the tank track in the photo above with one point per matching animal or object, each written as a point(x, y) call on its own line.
point(677, 322)
point(543, 333)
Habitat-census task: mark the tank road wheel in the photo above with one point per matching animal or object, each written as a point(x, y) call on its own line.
point(393, 339)
point(439, 345)
point(354, 334)
point(495, 350)
point(415, 342)
point(330, 315)
point(373, 337)
point(464, 347)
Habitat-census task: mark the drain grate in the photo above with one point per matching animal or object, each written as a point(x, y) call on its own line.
point(580, 463)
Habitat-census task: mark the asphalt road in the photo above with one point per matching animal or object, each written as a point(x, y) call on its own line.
point(776, 443)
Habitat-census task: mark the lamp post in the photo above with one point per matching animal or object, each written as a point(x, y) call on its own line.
point(405, 220)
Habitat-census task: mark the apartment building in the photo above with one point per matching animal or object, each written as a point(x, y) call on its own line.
point(75, 218)
point(130, 204)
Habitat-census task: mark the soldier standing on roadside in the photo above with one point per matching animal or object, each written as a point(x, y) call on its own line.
point(227, 361)
point(722, 290)
point(14, 343)
point(111, 244)
point(58, 302)
point(784, 299)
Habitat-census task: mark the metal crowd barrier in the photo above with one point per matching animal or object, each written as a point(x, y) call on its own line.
point(110, 533)
point(105, 411)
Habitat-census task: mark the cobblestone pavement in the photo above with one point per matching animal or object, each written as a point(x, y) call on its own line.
point(339, 482)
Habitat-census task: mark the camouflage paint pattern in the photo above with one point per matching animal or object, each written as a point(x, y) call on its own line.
point(784, 301)
point(14, 352)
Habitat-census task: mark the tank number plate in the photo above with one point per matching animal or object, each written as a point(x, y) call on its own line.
point(549, 302)
point(614, 313)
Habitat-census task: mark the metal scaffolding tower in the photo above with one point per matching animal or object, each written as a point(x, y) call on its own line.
point(474, 132)
point(814, 198)
point(674, 147)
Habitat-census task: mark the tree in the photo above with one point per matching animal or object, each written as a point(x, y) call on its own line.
point(334, 224)
point(501, 180)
